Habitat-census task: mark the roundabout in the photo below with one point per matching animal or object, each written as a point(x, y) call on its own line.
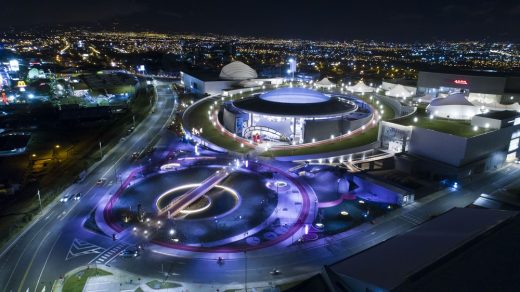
point(251, 208)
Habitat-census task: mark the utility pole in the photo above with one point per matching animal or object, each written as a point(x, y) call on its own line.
point(39, 200)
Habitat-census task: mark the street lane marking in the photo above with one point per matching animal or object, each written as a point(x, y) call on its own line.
point(46, 260)
point(32, 260)
point(22, 254)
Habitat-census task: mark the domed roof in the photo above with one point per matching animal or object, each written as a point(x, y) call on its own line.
point(237, 71)
point(454, 99)
point(294, 95)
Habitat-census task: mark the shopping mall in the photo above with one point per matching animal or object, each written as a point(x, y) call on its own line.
point(295, 115)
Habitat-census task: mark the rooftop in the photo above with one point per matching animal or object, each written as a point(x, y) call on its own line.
point(392, 262)
point(289, 95)
point(453, 127)
point(331, 107)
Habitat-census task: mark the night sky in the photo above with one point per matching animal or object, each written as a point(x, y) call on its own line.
point(399, 20)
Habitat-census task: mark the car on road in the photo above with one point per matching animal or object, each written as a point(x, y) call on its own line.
point(130, 253)
point(135, 155)
point(77, 196)
point(517, 161)
point(66, 198)
point(101, 181)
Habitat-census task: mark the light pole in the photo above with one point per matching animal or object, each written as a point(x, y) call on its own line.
point(100, 150)
point(39, 199)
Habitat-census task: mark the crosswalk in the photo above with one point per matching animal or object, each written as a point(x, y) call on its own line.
point(110, 254)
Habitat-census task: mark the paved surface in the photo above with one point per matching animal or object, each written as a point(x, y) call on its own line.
point(57, 243)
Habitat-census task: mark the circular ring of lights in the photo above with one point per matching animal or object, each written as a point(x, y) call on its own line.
point(189, 186)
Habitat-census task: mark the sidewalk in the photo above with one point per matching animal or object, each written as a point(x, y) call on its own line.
point(123, 281)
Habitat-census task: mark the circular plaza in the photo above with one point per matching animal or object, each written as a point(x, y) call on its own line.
point(248, 206)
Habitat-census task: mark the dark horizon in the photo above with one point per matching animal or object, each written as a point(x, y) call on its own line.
point(402, 21)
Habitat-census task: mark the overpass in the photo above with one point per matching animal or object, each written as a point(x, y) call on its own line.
point(182, 202)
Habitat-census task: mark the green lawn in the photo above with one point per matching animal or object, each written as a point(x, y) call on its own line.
point(198, 118)
point(156, 284)
point(454, 127)
point(76, 282)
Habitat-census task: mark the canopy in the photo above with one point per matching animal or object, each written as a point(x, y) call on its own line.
point(325, 82)
point(399, 91)
point(361, 87)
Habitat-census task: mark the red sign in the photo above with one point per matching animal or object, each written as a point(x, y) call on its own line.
point(460, 81)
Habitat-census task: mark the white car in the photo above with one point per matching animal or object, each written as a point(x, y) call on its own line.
point(66, 198)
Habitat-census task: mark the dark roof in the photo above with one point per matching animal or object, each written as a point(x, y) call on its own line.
point(487, 264)
point(500, 115)
point(332, 107)
point(392, 262)
point(458, 71)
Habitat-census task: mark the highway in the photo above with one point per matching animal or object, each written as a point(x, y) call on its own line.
point(45, 250)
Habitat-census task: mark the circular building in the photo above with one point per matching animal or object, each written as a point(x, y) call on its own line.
point(294, 115)
point(454, 106)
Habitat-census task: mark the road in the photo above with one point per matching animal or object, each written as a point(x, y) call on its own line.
point(57, 242)
point(309, 258)
point(45, 251)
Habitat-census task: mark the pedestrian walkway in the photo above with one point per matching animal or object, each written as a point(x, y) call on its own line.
point(110, 254)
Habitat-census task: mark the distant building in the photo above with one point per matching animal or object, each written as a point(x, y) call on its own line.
point(484, 88)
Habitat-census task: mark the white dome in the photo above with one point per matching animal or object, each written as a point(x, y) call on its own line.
point(237, 71)
point(294, 95)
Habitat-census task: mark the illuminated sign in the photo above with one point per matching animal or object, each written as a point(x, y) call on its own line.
point(460, 81)
point(14, 65)
point(21, 84)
